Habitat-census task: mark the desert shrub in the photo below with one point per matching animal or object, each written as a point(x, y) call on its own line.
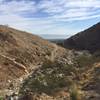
point(84, 60)
point(74, 93)
point(49, 77)
point(1, 98)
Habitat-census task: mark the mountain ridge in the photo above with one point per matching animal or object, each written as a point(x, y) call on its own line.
point(88, 39)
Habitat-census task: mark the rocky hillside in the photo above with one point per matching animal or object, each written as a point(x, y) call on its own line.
point(62, 80)
point(88, 39)
point(32, 68)
point(22, 52)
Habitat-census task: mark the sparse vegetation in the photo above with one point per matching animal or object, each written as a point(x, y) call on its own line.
point(19, 46)
point(51, 76)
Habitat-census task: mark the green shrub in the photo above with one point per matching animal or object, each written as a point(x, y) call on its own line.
point(1, 98)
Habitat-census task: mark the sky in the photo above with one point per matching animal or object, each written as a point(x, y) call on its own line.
point(50, 18)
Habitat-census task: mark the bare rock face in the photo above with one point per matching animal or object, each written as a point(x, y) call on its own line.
point(88, 39)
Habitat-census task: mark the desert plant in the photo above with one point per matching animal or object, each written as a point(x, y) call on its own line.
point(1, 98)
point(74, 92)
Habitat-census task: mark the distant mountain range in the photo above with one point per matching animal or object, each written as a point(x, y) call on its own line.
point(88, 39)
point(54, 36)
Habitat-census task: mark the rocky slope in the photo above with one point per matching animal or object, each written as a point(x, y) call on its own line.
point(39, 70)
point(61, 80)
point(20, 53)
point(88, 39)
point(75, 77)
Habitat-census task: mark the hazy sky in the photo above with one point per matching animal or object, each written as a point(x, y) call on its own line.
point(58, 17)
